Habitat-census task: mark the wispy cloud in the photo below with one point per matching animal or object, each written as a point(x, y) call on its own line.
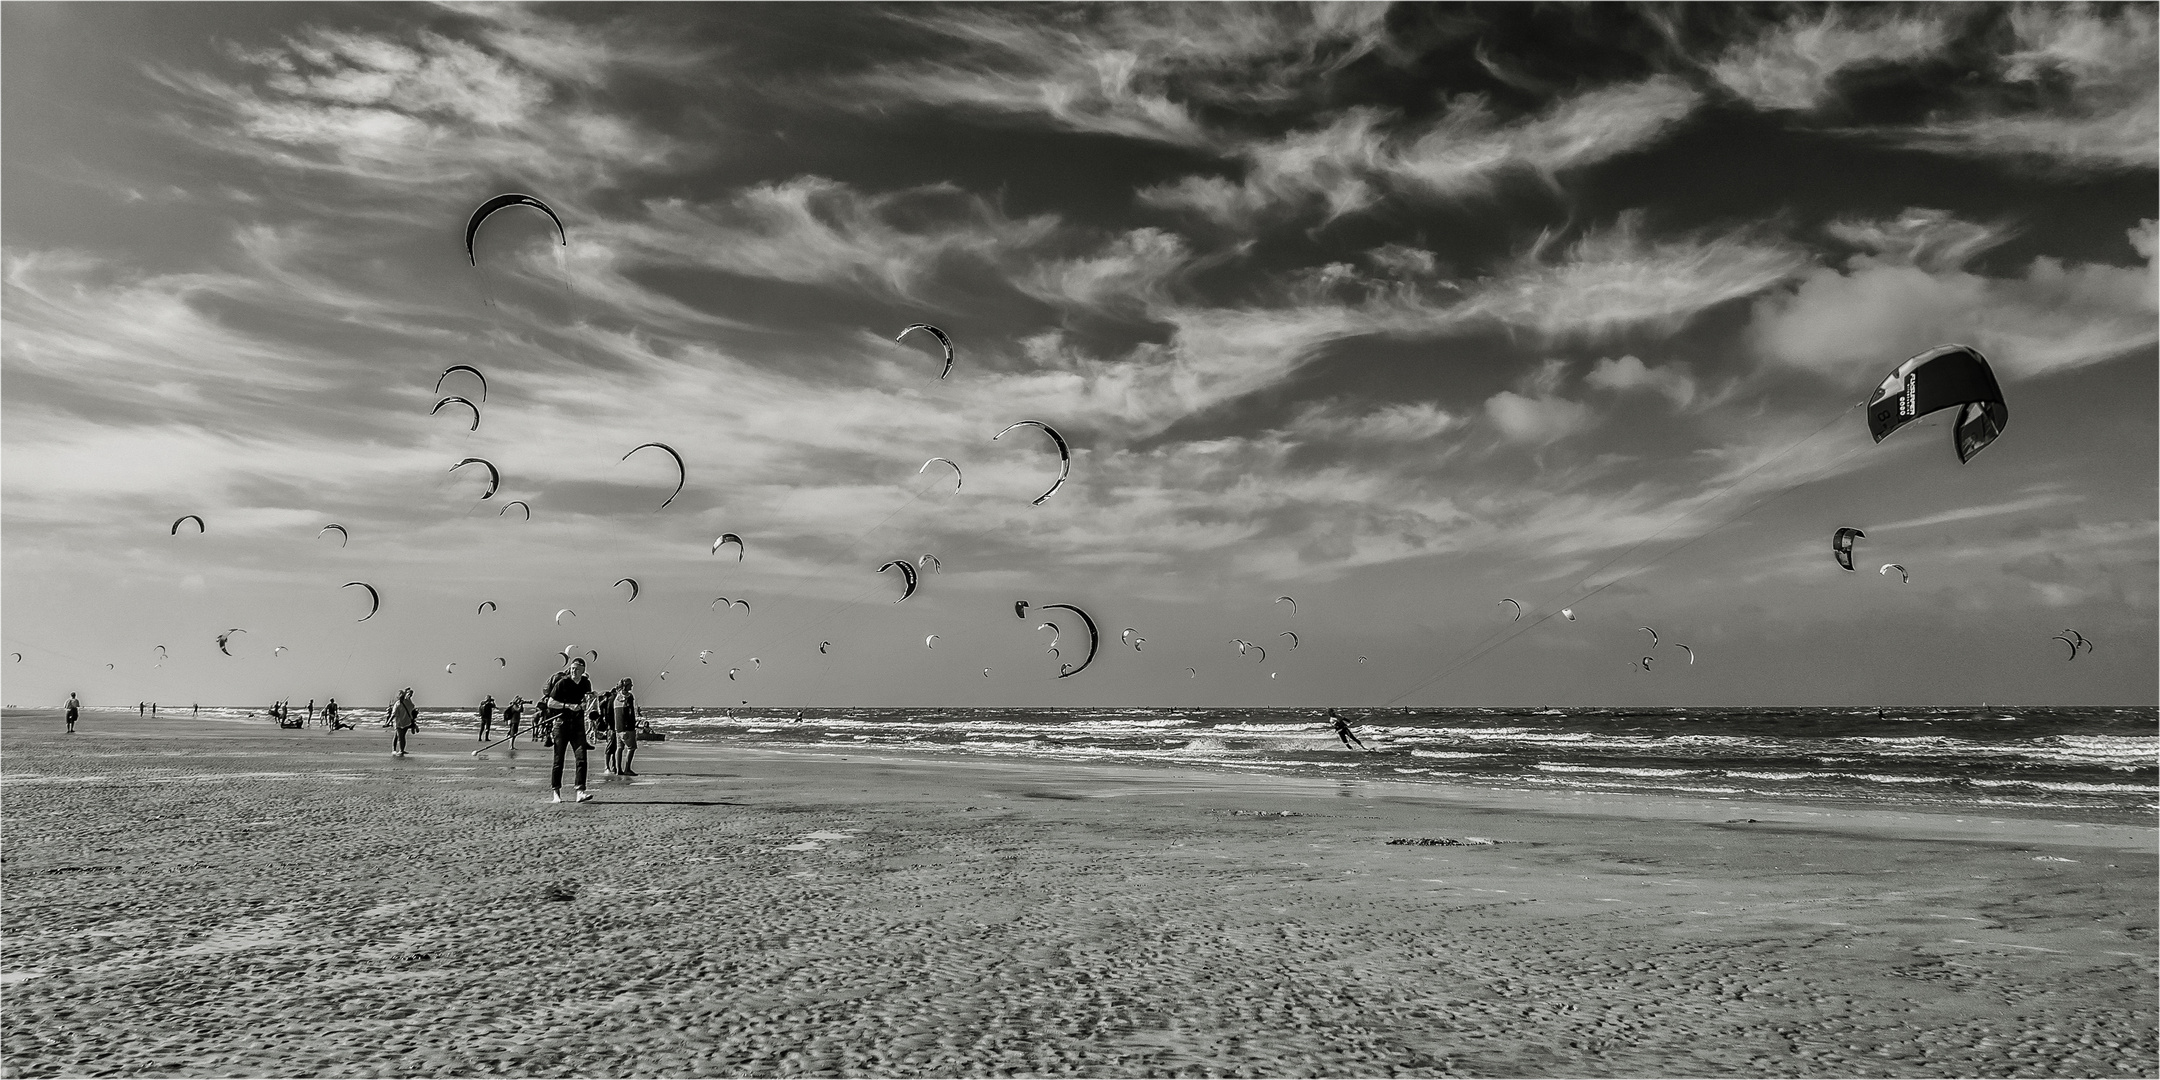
point(1620, 276)
point(2055, 315)
point(1138, 71)
point(1795, 65)
point(1354, 161)
point(2084, 92)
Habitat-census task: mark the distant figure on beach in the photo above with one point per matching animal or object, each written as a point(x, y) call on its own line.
point(330, 717)
point(404, 716)
point(311, 710)
point(512, 713)
point(139, 706)
point(1343, 732)
point(197, 710)
point(626, 719)
point(487, 718)
point(562, 709)
point(73, 706)
point(153, 710)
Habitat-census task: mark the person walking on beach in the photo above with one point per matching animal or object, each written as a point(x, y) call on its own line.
point(1343, 732)
point(487, 718)
point(311, 710)
point(330, 717)
point(404, 716)
point(562, 709)
point(139, 706)
point(73, 706)
point(512, 713)
point(626, 720)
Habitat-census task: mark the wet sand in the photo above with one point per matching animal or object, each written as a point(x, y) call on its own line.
point(205, 898)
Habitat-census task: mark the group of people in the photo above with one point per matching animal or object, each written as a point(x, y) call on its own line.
point(569, 716)
point(572, 717)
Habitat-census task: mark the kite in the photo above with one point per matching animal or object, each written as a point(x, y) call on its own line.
point(824, 646)
point(196, 518)
point(632, 582)
point(745, 604)
point(730, 538)
point(926, 642)
point(1292, 603)
point(1064, 458)
point(1841, 547)
point(1568, 613)
point(1904, 578)
point(942, 340)
point(485, 605)
point(225, 637)
point(1064, 671)
point(504, 201)
point(462, 367)
point(907, 571)
point(343, 536)
point(1690, 653)
point(374, 599)
point(1291, 636)
point(494, 477)
point(520, 504)
point(2073, 646)
point(956, 477)
point(932, 561)
point(563, 612)
point(1652, 633)
point(1020, 609)
point(682, 472)
point(1518, 607)
point(461, 401)
point(1937, 379)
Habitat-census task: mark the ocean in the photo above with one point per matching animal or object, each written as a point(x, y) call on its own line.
point(2097, 764)
point(2090, 763)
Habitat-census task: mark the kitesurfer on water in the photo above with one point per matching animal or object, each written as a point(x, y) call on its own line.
point(1343, 732)
point(562, 708)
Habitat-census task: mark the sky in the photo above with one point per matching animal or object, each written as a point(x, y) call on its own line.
point(1398, 311)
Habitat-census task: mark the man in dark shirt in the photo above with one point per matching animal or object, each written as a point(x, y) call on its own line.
point(563, 709)
point(626, 719)
point(487, 718)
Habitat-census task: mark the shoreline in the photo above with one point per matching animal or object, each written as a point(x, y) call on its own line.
point(311, 906)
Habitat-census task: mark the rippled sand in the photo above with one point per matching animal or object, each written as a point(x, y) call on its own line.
point(225, 899)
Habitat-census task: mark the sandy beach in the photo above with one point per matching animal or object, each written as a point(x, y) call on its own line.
point(212, 899)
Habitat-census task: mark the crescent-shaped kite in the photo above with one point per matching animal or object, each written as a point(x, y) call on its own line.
point(682, 472)
point(563, 612)
point(1292, 603)
point(196, 518)
point(485, 605)
point(460, 401)
point(907, 572)
point(504, 201)
point(1903, 576)
point(1093, 640)
point(956, 477)
point(462, 367)
point(374, 599)
point(343, 536)
point(1652, 633)
point(494, 476)
point(939, 335)
point(1064, 457)
point(730, 538)
point(520, 504)
point(1518, 607)
point(632, 582)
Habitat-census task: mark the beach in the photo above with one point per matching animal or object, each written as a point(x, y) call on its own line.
point(193, 897)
